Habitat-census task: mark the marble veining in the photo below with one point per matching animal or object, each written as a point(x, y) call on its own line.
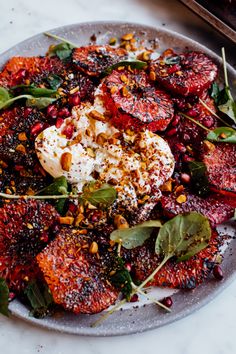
point(211, 329)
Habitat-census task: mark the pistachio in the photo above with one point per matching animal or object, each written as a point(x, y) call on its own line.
point(152, 75)
point(21, 148)
point(101, 138)
point(120, 222)
point(66, 220)
point(96, 115)
point(66, 161)
point(78, 219)
point(127, 36)
point(181, 198)
point(22, 136)
point(93, 249)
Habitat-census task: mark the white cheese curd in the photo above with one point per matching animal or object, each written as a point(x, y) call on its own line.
point(135, 163)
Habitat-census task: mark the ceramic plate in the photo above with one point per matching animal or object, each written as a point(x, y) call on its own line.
point(146, 317)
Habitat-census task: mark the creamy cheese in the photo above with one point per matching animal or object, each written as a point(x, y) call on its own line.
point(138, 163)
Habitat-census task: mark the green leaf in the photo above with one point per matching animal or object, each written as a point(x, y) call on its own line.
point(4, 96)
point(58, 187)
point(39, 297)
point(135, 236)
point(172, 60)
point(121, 279)
point(214, 92)
point(183, 236)
point(103, 196)
point(39, 102)
point(226, 103)
point(134, 64)
point(222, 135)
point(4, 297)
point(199, 180)
point(34, 91)
point(54, 81)
point(62, 50)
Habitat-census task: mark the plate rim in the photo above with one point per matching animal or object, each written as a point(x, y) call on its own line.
point(215, 292)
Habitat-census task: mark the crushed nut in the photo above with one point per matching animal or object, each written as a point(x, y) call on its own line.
point(152, 75)
point(66, 220)
point(90, 152)
point(208, 145)
point(167, 186)
point(93, 247)
point(114, 89)
point(125, 91)
point(21, 148)
point(120, 222)
point(22, 136)
point(127, 36)
point(124, 78)
point(112, 41)
point(181, 198)
point(101, 138)
point(78, 219)
point(66, 161)
point(96, 115)
point(29, 226)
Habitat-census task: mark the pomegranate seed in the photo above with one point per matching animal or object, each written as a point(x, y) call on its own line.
point(167, 301)
point(27, 111)
point(185, 178)
point(128, 267)
point(171, 132)
point(192, 113)
point(19, 167)
point(181, 105)
point(173, 69)
point(175, 121)
point(74, 100)
point(208, 121)
point(52, 111)
point(96, 215)
point(187, 158)
point(72, 207)
point(59, 122)
point(217, 272)
point(11, 296)
point(64, 112)
point(134, 298)
point(20, 76)
point(36, 128)
point(180, 147)
point(68, 131)
point(44, 237)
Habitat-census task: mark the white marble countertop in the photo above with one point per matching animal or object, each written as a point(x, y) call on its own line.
point(212, 329)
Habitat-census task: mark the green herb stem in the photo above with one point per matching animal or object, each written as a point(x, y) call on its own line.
point(108, 313)
point(194, 121)
point(40, 197)
point(140, 291)
point(213, 113)
point(151, 276)
point(60, 39)
point(225, 67)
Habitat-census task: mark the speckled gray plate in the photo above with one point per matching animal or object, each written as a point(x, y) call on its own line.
point(149, 316)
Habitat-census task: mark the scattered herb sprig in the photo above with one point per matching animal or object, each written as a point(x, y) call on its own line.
point(134, 64)
point(39, 297)
point(62, 50)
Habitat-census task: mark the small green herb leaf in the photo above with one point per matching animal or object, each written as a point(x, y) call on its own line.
point(172, 60)
point(134, 64)
point(183, 236)
point(58, 187)
point(40, 299)
point(226, 104)
point(4, 96)
point(214, 92)
point(200, 183)
point(34, 91)
point(121, 279)
point(39, 102)
point(135, 236)
point(104, 196)
point(4, 297)
point(54, 81)
point(62, 50)
point(222, 134)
